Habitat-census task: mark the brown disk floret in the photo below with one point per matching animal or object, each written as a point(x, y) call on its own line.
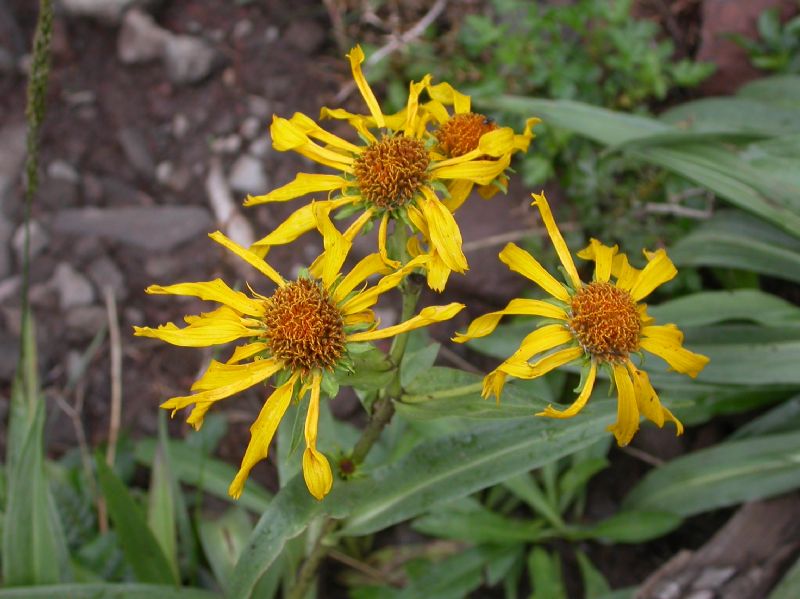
point(391, 171)
point(304, 328)
point(462, 132)
point(605, 321)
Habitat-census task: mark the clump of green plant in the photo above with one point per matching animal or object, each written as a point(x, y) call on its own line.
point(778, 47)
point(593, 52)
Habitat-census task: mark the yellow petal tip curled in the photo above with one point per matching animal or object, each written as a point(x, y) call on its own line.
point(317, 473)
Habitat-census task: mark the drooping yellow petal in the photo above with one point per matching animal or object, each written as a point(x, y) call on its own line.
point(243, 352)
point(484, 325)
point(679, 358)
point(603, 257)
point(447, 94)
point(312, 129)
point(658, 271)
point(219, 374)
point(252, 259)
point(556, 359)
point(201, 333)
point(647, 399)
point(237, 378)
point(459, 190)
point(627, 413)
point(495, 143)
point(540, 201)
point(522, 262)
point(412, 105)
point(437, 272)
point(382, 240)
point(212, 291)
point(522, 141)
point(481, 172)
point(359, 122)
point(369, 265)
point(663, 334)
point(316, 469)
point(445, 235)
point(368, 297)
point(437, 111)
point(626, 274)
point(261, 433)
point(301, 185)
point(356, 57)
point(301, 221)
point(288, 136)
point(427, 316)
point(336, 245)
point(579, 403)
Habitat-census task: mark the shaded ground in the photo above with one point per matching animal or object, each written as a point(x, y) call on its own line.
point(127, 150)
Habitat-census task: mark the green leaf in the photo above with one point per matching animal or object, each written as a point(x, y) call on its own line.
point(789, 586)
point(710, 307)
point(467, 520)
point(595, 584)
point(223, 539)
point(576, 477)
point(545, 573)
point(418, 362)
point(781, 89)
point(742, 242)
point(211, 475)
point(34, 548)
point(454, 577)
point(783, 418)
point(161, 503)
point(526, 488)
point(631, 526)
point(140, 547)
point(735, 114)
point(749, 363)
point(726, 474)
point(104, 590)
point(434, 472)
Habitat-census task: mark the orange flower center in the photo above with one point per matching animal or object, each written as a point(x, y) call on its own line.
point(304, 328)
point(391, 171)
point(462, 132)
point(605, 321)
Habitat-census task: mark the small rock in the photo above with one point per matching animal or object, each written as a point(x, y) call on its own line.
point(175, 179)
point(107, 11)
point(305, 35)
point(38, 240)
point(259, 107)
point(104, 273)
point(242, 29)
point(247, 175)
point(226, 144)
point(156, 228)
point(136, 151)
point(73, 288)
point(250, 127)
point(84, 322)
point(133, 315)
point(159, 267)
point(12, 156)
point(271, 34)
point(140, 39)
point(180, 125)
point(9, 288)
point(63, 171)
point(43, 295)
point(118, 192)
point(261, 147)
point(58, 192)
point(189, 59)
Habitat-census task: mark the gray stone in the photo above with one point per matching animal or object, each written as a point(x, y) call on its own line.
point(9, 288)
point(107, 11)
point(140, 39)
point(180, 125)
point(259, 106)
point(104, 273)
point(73, 288)
point(247, 175)
point(136, 151)
point(38, 240)
point(189, 59)
point(226, 144)
point(260, 147)
point(242, 29)
point(118, 192)
point(176, 179)
point(155, 228)
point(251, 127)
point(61, 170)
point(305, 35)
point(5, 251)
point(84, 322)
point(57, 193)
point(12, 156)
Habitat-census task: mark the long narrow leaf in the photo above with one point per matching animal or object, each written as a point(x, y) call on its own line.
point(107, 591)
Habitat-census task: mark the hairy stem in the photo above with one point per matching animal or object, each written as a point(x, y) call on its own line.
point(382, 412)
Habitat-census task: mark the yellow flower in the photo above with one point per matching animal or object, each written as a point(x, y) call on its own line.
point(459, 134)
point(599, 323)
point(299, 334)
point(391, 175)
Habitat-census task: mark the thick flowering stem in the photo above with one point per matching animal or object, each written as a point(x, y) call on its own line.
point(382, 412)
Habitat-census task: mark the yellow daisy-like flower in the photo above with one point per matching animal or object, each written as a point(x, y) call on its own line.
point(392, 175)
point(600, 323)
point(300, 332)
point(459, 134)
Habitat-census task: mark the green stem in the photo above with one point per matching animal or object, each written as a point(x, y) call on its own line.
point(382, 412)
